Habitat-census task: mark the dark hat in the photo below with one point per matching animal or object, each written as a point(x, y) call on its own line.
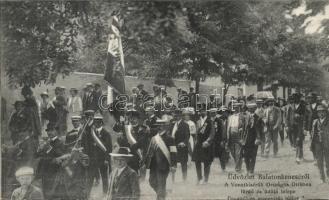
point(44, 94)
point(26, 90)
point(140, 85)
point(97, 85)
point(177, 111)
point(73, 89)
point(321, 107)
point(297, 96)
point(89, 112)
point(19, 103)
point(251, 105)
point(121, 152)
point(51, 127)
point(269, 100)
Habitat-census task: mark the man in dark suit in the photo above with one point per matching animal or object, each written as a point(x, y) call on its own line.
point(161, 158)
point(311, 116)
point(180, 131)
point(251, 139)
point(50, 165)
point(296, 120)
point(151, 120)
point(90, 98)
point(98, 143)
point(124, 183)
point(220, 136)
point(320, 134)
point(203, 149)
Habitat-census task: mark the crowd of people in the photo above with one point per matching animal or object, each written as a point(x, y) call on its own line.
point(146, 135)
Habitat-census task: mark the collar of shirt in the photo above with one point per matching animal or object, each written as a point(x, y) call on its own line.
point(296, 105)
point(313, 105)
point(322, 120)
point(54, 138)
point(99, 129)
point(120, 170)
point(162, 133)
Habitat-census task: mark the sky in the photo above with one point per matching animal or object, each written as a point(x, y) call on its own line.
point(312, 24)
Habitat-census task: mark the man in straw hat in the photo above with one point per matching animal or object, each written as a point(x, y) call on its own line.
point(161, 158)
point(26, 191)
point(180, 131)
point(124, 184)
point(272, 123)
point(320, 132)
point(236, 127)
point(203, 149)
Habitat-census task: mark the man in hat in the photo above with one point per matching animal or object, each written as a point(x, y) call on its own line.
point(44, 105)
point(89, 100)
point(296, 117)
point(18, 122)
point(124, 182)
point(187, 113)
point(311, 116)
point(150, 120)
point(60, 104)
point(192, 97)
point(27, 191)
point(74, 103)
point(320, 132)
point(260, 111)
point(220, 138)
point(161, 158)
point(141, 92)
point(180, 131)
point(203, 149)
point(33, 126)
point(236, 128)
point(73, 134)
point(99, 143)
point(50, 164)
point(251, 138)
point(287, 121)
point(272, 123)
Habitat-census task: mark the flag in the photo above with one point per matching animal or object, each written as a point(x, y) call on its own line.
point(115, 68)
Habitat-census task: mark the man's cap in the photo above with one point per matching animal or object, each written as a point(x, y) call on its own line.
point(161, 122)
point(140, 85)
point(212, 110)
point(259, 101)
point(24, 171)
point(44, 94)
point(73, 89)
point(319, 97)
point(19, 103)
point(297, 95)
point(89, 84)
point(51, 127)
point(236, 104)
point(75, 117)
point(178, 111)
point(26, 90)
point(62, 87)
point(98, 116)
point(251, 105)
point(269, 100)
point(149, 108)
point(222, 109)
point(121, 152)
point(321, 107)
point(97, 85)
point(89, 112)
point(188, 111)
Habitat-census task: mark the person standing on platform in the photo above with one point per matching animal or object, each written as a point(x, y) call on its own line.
point(220, 138)
point(161, 158)
point(203, 150)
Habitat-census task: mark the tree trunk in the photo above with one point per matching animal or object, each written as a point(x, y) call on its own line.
point(197, 85)
point(260, 86)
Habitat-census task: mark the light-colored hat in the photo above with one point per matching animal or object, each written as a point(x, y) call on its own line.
point(251, 105)
point(24, 171)
point(98, 116)
point(89, 84)
point(75, 117)
point(121, 152)
point(44, 94)
point(321, 108)
point(212, 110)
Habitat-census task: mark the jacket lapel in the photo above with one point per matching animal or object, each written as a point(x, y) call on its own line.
point(121, 177)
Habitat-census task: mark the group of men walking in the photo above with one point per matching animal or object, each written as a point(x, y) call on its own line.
point(71, 162)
